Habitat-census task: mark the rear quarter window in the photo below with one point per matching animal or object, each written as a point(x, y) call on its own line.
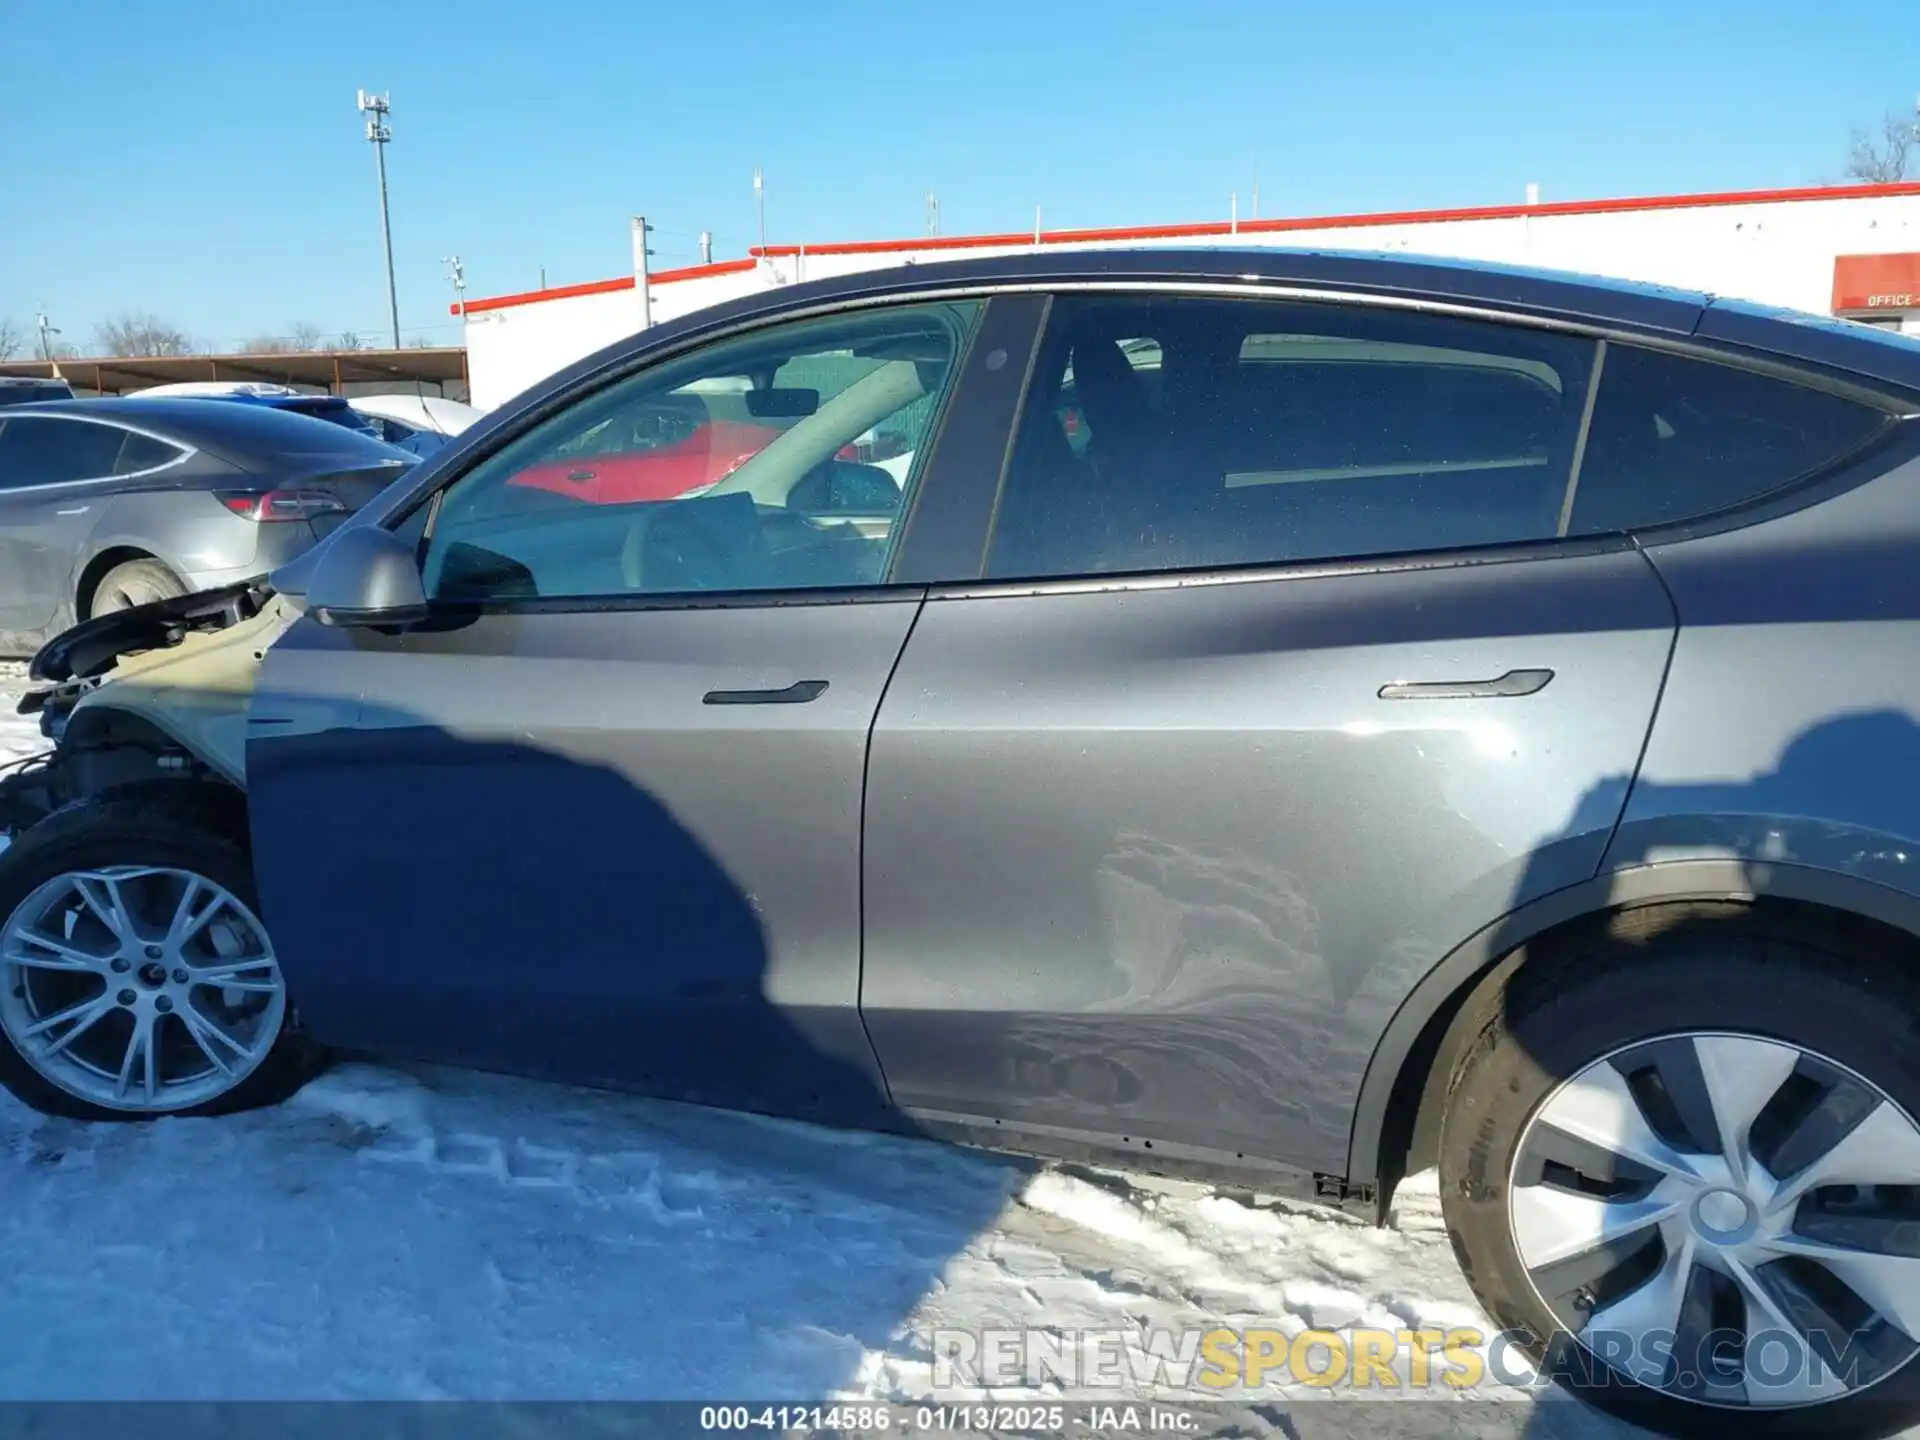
point(143, 452)
point(1674, 436)
point(255, 436)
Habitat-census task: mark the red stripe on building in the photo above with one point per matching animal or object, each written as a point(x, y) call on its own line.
point(1222, 228)
point(605, 287)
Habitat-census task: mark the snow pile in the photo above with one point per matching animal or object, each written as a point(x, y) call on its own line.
point(19, 734)
point(434, 1233)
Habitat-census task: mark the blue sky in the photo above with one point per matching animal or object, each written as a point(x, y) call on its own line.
point(204, 160)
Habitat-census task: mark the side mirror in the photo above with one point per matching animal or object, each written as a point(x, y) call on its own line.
point(862, 489)
point(367, 576)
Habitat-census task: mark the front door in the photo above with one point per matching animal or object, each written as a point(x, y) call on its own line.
point(598, 817)
point(1169, 811)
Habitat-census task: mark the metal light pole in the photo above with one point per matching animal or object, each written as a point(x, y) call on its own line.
point(457, 273)
point(642, 272)
point(760, 204)
point(379, 132)
point(47, 331)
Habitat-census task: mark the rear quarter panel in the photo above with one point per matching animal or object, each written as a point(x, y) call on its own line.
point(1789, 730)
point(184, 527)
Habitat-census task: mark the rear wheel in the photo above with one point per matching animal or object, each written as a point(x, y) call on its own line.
point(136, 582)
point(136, 976)
point(1682, 1163)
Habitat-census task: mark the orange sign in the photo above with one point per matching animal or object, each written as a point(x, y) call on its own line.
point(1875, 284)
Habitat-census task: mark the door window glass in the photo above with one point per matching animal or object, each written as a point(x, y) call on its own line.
point(1226, 432)
point(776, 460)
point(1673, 436)
point(43, 451)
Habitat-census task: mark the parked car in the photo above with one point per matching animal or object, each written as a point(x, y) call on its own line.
point(331, 408)
point(207, 388)
point(1410, 713)
point(418, 425)
point(416, 413)
point(24, 390)
point(106, 504)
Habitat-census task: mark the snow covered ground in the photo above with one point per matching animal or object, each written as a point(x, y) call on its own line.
point(18, 734)
point(426, 1233)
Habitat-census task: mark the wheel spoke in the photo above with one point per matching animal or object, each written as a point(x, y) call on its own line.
point(237, 975)
point(1781, 1366)
point(1742, 1075)
point(1705, 1355)
point(1621, 1330)
point(139, 1064)
point(101, 895)
point(1883, 1149)
point(1890, 1283)
point(1597, 1107)
point(198, 904)
point(89, 1010)
point(211, 1039)
point(1811, 1126)
point(52, 955)
point(1551, 1225)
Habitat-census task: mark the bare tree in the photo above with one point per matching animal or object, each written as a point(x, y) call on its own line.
point(347, 340)
point(9, 338)
point(141, 333)
point(1887, 156)
point(304, 335)
point(266, 345)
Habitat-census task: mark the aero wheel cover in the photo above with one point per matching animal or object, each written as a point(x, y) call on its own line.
point(1730, 1220)
point(141, 989)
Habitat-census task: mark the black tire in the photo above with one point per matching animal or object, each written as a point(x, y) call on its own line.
point(1808, 983)
point(136, 582)
point(149, 826)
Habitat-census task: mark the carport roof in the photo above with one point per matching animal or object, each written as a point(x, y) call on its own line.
point(328, 369)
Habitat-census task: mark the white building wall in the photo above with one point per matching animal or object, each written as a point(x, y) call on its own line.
point(1774, 252)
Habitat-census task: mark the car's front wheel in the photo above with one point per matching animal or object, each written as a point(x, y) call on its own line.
point(1681, 1163)
point(136, 976)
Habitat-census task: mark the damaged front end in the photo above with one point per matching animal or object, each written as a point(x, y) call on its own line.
point(154, 693)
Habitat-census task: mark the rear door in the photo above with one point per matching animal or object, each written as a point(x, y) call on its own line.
point(53, 475)
point(1282, 679)
point(599, 816)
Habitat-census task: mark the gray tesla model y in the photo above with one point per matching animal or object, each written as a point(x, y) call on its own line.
point(1300, 718)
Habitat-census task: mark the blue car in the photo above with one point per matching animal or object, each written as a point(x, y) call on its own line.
point(321, 407)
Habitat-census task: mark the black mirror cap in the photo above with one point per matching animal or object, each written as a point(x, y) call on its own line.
point(366, 576)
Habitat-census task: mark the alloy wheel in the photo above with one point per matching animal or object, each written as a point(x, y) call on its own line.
point(1728, 1219)
point(139, 989)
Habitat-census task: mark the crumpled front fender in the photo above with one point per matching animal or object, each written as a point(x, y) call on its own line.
point(197, 692)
